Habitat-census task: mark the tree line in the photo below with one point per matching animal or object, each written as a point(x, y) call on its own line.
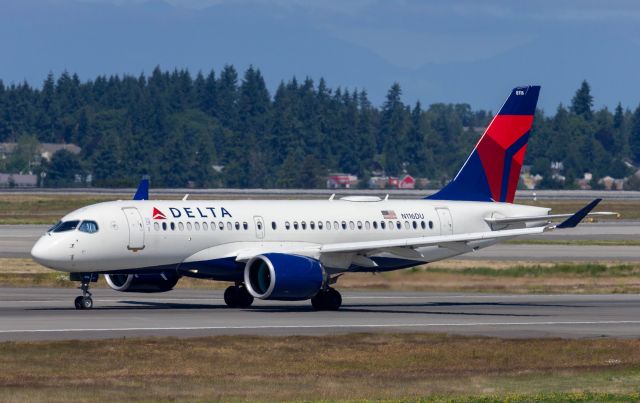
point(220, 130)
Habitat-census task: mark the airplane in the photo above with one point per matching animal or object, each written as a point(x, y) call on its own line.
point(297, 249)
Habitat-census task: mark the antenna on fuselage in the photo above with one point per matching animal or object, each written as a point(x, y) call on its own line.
point(332, 196)
point(386, 197)
point(185, 197)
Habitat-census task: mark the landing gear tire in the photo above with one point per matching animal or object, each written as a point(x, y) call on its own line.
point(84, 301)
point(327, 300)
point(237, 297)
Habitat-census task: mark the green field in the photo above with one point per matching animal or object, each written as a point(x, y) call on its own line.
point(359, 366)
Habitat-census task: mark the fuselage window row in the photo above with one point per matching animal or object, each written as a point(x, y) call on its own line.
point(312, 225)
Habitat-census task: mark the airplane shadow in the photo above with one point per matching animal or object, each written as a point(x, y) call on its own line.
point(397, 308)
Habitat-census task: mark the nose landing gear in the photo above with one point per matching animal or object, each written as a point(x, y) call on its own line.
point(84, 301)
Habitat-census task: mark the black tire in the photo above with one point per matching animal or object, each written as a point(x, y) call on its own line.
point(87, 303)
point(78, 303)
point(317, 302)
point(231, 297)
point(244, 299)
point(334, 300)
point(329, 300)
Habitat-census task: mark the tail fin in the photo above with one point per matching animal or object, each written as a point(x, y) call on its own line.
point(492, 170)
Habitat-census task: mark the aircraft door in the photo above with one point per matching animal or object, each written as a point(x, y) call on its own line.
point(259, 222)
point(446, 222)
point(136, 228)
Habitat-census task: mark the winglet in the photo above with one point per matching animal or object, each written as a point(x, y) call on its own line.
point(143, 189)
point(578, 216)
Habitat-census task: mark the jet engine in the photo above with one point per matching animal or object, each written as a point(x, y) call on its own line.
point(284, 277)
point(151, 282)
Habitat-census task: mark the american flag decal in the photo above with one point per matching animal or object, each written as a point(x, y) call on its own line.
point(388, 214)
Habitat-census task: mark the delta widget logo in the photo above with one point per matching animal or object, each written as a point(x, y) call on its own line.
point(158, 215)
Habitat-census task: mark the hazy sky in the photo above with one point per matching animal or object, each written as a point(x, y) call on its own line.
point(439, 51)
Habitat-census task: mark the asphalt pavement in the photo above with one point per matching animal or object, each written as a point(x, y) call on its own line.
point(48, 314)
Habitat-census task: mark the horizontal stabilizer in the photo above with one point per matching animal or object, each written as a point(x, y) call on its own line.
point(579, 215)
point(547, 218)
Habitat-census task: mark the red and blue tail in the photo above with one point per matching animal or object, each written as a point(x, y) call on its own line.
point(492, 170)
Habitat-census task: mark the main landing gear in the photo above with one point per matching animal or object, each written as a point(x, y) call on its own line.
point(237, 296)
point(328, 299)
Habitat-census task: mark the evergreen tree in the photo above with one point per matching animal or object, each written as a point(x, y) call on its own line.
point(582, 102)
point(634, 136)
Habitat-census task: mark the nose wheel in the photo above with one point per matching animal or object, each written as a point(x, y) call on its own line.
point(84, 301)
point(238, 297)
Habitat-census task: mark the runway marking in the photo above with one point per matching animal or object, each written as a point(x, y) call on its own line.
point(335, 326)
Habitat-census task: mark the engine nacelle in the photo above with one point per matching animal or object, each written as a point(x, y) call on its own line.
point(284, 277)
point(152, 282)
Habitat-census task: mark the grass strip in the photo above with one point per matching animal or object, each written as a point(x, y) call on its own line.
point(586, 269)
point(429, 367)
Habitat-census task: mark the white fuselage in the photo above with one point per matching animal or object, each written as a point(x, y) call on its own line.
point(162, 234)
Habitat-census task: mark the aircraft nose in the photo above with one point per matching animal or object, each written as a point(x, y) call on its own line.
point(42, 252)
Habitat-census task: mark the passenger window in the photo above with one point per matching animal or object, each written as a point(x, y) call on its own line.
point(351, 225)
point(312, 225)
point(367, 225)
point(406, 225)
point(229, 226)
point(304, 225)
point(221, 225)
point(205, 226)
point(328, 225)
point(90, 227)
point(164, 226)
point(259, 225)
point(213, 226)
point(320, 224)
point(398, 225)
point(67, 226)
point(415, 225)
point(422, 225)
point(382, 224)
point(336, 226)
point(390, 224)
point(375, 225)
point(245, 225)
point(344, 225)
point(273, 225)
point(173, 226)
point(287, 225)
point(156, 226)
point(359, 224)
point(189, 226)
point(295, 225)
point(430, 224)
point(237, 226)
point(181, 226)
point(196, 226)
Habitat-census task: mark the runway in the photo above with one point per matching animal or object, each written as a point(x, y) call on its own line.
point(16, 242)
point(48, 314)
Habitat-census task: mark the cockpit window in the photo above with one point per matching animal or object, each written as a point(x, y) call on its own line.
point(89, 227)
point(66, 226)
point(54, 226)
